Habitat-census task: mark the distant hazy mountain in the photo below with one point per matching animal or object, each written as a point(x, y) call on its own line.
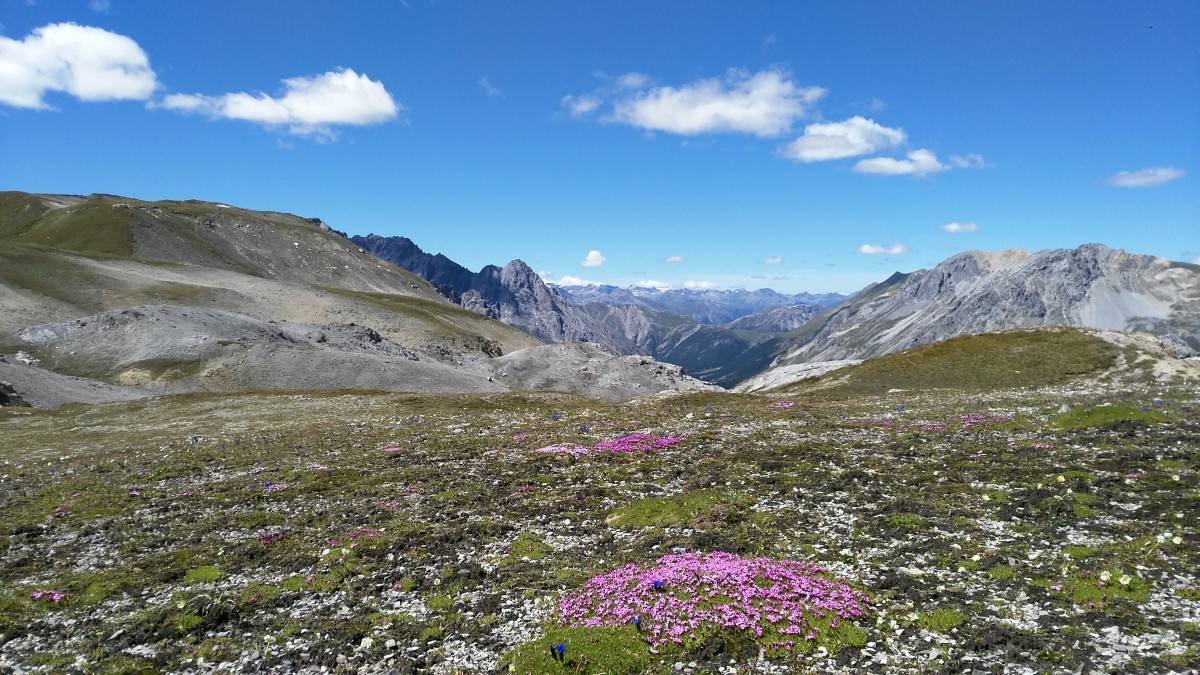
point(514, 294)
point(709, 306)
point(1092, 286)
point(682, 327)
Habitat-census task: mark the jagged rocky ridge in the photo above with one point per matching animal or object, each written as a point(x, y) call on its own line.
point(1092, 286)
point(675, 326)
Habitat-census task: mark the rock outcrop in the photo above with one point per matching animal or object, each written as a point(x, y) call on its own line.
point(1092, 286)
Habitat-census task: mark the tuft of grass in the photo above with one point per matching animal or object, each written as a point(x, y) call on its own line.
point(617, 650)
point(527, 546)
point(1106, 416)
point(203, 574)
point(1001, 573)
point(941, 620)
point(905, 521)
point(689, 508)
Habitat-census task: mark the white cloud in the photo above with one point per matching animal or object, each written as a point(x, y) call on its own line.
point(699, 284)
point(1146, 177)
point(764, 104)
point(773, 260)
point(959, 228)
point(971, 160)
point(593, 259)
point(919, 163)
point(653, 283)
point(890, 249)
point(490, 89)
point(673, 259)
point(838, 140)
point(100, 6)
point(310, 107)
point(633, 81)
point(568, 280)
point(88, 63)
point(578, 106)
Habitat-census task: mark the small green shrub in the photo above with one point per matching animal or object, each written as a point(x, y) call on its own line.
point(941, 620)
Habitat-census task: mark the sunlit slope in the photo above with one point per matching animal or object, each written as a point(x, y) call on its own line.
point(64, 258)
point(1007, 360)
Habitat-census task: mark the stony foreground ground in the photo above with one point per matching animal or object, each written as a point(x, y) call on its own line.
point(1021, 532)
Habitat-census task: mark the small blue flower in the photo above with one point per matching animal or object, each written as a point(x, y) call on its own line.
point(331, 473)
point(583, 427)
point(556, 417)
point(637, 623)
point(658, 585)
point(557, 651)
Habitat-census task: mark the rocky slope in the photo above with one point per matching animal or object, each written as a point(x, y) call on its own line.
point(1091, 286)
point(114, 298)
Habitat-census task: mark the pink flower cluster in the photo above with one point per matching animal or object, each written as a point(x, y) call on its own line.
point(631, 443)
point(52, 596)
point(683, 593)
point(352, 535)
point(572, 449)
point(782, 404)
point(637, 443)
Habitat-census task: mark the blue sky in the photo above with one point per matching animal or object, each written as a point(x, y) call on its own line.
point(796, 146)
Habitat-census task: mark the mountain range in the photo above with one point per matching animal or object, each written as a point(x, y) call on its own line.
point(105, 298)
point(703, 331)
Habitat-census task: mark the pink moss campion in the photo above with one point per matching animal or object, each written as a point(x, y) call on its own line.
point(630, 443)
point(681, 594)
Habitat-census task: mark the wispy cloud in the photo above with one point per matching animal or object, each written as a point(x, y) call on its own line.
point(971, 160)
point(594, 259)
point(700, 285)
point(773, 260)
point(918, 163)
point(311, 106)
point(579, 106)
point(765, 103)
point(100, 6)
point(837, 140)
point(568, 280)
point(673, 259)
point(90, 64)
point(890, 249)
point(490, 89)
point(1146, 177)
point(959, 228)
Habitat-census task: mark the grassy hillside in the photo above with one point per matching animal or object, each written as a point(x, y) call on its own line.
point(1013, 359)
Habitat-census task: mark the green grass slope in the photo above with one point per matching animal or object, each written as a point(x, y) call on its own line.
point(1012, 359)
